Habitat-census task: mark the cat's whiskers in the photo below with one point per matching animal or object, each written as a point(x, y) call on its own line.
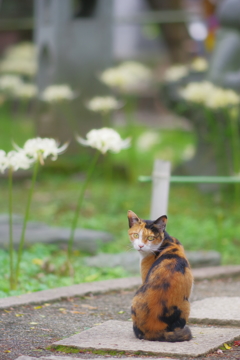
point(129, 247)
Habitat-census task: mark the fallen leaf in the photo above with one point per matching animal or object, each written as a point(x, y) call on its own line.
point(77, 312)
point(89, 306)
point(46, 304)
point(46, 329)
point(121, 312)
point(33, 323)
point(227, 347)
point(7, 311)
point(7, 351)
point(18, 315)
point(37, 307)
point(62, 309)
point(98, 324)
point(236, 343)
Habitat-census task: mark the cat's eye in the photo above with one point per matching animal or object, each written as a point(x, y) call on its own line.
point(136, 236)
point(150, 238)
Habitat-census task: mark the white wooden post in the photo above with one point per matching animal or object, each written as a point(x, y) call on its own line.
point(160, 188)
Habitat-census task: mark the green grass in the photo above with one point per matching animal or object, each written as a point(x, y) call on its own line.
point(14, 127)
point(201, 221)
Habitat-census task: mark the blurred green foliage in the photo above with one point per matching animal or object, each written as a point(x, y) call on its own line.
point(201, 221)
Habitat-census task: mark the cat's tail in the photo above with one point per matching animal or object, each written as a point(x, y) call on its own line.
point(178, 335)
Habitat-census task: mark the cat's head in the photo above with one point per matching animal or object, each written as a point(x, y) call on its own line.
point(146, 235)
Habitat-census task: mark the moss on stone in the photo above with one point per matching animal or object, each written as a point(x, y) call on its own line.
point(65, 349)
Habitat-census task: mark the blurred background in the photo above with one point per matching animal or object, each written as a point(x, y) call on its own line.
point(172, 68)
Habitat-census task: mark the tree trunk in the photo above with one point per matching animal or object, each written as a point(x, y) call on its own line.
point(174, 34)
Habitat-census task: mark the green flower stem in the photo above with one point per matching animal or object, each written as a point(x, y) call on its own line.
point(235, 143)
point(215, 138)
point(11, 278)
point(235, 148)
point(107, 118)
point(22, 239)
point(80, 201)
point(23, 105)
point(129, 110)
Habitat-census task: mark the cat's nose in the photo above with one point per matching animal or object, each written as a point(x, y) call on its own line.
point(141, 246)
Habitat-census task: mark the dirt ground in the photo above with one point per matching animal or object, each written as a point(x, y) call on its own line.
point(31, 329)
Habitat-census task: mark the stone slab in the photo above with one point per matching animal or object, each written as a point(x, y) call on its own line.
point(216, 311)
point(53, 357)
point(84, 239)
point(118, 336)
point(65, 292)
point(216, 272)
point(130, 260)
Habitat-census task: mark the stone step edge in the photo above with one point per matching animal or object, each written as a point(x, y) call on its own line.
point(105, 286)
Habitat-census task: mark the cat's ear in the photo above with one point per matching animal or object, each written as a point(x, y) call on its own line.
point(161, 223)
point(132, 218)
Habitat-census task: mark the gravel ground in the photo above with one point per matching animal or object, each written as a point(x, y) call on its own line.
point(29, 330)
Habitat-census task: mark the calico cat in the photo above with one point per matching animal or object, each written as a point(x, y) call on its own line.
point(160, 307)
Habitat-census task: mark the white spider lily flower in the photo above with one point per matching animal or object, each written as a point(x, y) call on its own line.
point(138, 70)
point(57, 93)
point(10, 83)
point(128, 77)
point(197, 92)
point(3, 161)
point(210, 95)
point(26, 91)
point(40, 148)
point(222, 98)
point(17, 66)
point(103, 104)
point(18, 160)
point(175, 73)
point(147, 140)
point(22, 50)
point(199, 64)
point(20, 59)
point(105, 139)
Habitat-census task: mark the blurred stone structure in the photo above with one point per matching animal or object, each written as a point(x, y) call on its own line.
point(76, 40)
point(74, 44)
point(70, 41)
point(224, 65)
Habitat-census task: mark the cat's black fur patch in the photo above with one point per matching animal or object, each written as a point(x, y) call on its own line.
point(138, 333)
point(173, 320)
point(133, 312)
point(143, 288)
point(150, 225)
point(165, 285)
point(180, 265)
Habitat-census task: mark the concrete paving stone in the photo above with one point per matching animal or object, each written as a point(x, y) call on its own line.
point(70, 291)
point(215, 272)
point(118, 336)
point(53, 357)
point(37, 232)
point(216, 311)
point(130, 260)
